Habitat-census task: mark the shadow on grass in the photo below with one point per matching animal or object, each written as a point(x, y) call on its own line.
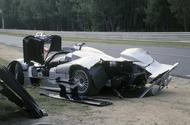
point(107, 92)
point(13, 115)
point(10, 114)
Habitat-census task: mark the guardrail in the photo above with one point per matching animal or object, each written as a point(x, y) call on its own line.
point(141, 36)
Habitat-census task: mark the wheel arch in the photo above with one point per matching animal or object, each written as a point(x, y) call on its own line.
point(74, 67)
point(96, 73)
point(11, 66)
point(94, 90)
point(20, 62)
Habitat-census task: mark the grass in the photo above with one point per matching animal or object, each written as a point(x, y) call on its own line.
point(130, 42)
point(116, 41)
point(9, 111)
point(54, 105)
point(14, 34)
point(3, 62)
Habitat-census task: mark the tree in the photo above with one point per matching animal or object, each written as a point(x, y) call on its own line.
point(106, 15)
point(5, 7)
point(82, 13)
point(181, 10)
point(97, 15)
point(66, 16)
point(158, 15)
point(26, 14)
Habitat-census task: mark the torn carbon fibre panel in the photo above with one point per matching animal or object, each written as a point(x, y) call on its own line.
point(126, 73)
point(13, 90)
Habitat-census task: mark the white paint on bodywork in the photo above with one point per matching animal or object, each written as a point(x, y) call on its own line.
point(138, 55)
point(53, 74)
point(143, 59)
point(157, 68)
point(22, 63)
point(88, 57)
point(87, 60)
point(92, 50)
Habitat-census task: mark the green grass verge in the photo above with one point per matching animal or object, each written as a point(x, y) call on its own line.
point(14, 34)
point(53, 106)
point(3, 62)
point(130, 42)
point(7, 109)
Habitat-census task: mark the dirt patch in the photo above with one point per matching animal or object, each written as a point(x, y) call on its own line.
point(170, 107)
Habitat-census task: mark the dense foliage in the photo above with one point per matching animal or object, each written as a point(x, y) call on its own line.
point(97, 15)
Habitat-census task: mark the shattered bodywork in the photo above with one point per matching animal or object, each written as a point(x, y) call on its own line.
point(89, 68)
point(13, 90)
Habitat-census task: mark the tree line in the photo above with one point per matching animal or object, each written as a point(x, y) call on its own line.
point(97, 15)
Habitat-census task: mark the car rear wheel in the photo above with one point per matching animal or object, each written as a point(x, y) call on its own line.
point(82, 78)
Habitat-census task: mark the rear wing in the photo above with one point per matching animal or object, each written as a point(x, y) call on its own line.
point(33, 47)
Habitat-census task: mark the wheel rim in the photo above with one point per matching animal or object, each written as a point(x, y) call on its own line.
point(81, 79)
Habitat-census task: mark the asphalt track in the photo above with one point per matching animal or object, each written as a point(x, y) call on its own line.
point(162, 54)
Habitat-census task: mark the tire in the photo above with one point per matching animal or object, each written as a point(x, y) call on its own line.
point(82, 77)
point(18, 74)
point(16, 69)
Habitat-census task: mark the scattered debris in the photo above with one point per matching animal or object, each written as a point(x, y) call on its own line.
point(73, 95)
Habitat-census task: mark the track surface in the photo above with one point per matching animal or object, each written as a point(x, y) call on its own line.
point(162, 54)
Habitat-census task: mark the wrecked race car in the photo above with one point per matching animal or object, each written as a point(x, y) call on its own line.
point(88, 68)
point(12, 89)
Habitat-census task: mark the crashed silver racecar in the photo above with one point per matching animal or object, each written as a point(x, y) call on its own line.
point(88, 68)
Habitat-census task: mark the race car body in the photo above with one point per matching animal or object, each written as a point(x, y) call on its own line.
point(89, 68)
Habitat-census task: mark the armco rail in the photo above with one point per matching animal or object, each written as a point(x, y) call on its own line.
point(141, 36)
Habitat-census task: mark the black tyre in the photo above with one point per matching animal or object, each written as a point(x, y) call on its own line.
point(19, 75)
point(16, 69)
point(85, 83)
